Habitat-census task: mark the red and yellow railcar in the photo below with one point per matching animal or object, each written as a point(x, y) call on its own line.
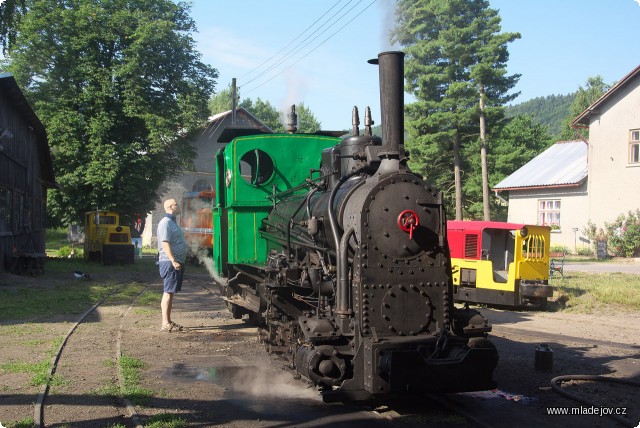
point(500, 263)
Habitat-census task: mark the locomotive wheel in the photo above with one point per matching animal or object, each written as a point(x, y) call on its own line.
point(235, 310)
point(537, 302)
point(481, 343)
point(254, 319)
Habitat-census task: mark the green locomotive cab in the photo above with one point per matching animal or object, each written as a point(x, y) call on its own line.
point(255, 173)
point(252, 173)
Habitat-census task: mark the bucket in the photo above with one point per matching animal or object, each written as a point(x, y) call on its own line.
point(544, 358)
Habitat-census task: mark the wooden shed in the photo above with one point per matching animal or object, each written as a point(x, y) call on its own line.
point(26, 173)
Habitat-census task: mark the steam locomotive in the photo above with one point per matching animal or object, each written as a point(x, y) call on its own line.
point(339, 252)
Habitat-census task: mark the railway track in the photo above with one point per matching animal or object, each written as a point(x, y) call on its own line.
point(50, 409)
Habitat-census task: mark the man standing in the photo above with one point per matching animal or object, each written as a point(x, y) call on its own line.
point(172, 254)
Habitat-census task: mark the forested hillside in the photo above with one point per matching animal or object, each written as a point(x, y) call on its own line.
point(550, 111)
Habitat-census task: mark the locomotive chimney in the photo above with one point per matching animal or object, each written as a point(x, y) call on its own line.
point(391, 101)
point(292, 125)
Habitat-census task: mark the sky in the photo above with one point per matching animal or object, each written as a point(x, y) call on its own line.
point(271, 49)
point(316, 51)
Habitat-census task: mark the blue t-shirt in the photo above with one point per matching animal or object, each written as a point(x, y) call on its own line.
point(169, 231)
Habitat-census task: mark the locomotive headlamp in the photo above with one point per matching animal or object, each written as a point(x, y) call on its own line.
point(524, 231)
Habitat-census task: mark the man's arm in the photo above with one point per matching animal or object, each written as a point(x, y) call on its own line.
point(167, 250)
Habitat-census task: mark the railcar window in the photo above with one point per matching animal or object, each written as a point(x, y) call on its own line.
point(118, 237)
point(256, 167)
point(107, 219)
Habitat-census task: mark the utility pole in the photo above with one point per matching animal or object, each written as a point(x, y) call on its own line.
point(233, 102)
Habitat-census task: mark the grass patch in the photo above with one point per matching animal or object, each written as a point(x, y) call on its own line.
point(39, 370)
point(23, 329)
point(31, 302)
point(110, 390)
point(587, 292)
point(34, 342)
point(126, 294)
point(131, 389)
point(140, 265)
point(149, 299)
point(55, 239)
point(165, 420)
point(130, 368)
point(146, 310)
point(24, 423)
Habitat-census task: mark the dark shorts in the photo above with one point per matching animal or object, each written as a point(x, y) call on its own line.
point(172, 278)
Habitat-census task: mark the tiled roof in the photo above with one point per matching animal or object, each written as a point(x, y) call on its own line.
point(240, 110)
point(562, 164)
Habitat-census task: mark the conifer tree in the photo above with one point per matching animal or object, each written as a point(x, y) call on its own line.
point(456, 68)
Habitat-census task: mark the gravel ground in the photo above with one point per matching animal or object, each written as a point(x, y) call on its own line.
point(216, 374)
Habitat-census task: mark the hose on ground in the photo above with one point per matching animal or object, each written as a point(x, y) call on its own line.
point(556, 381)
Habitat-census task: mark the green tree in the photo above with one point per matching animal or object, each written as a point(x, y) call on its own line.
point(550, 110)
point(120, 89)
point(221, 101)
point(11, 12)
point(456, 68)
point(585, 96)
point(264, 111)
point(512, 145)
point(307, 122)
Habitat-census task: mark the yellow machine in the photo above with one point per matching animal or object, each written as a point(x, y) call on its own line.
point(500, 263)
point(105, 240)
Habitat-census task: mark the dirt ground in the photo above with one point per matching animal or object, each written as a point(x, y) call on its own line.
point(216, 374)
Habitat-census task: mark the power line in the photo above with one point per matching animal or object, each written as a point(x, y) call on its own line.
point(295, 49)
point(291, 42)
point(311, 51)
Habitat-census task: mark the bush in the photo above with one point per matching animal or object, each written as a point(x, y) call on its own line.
point(623, 234)
point(585, 251)
point(67, 252)
point(559, 249)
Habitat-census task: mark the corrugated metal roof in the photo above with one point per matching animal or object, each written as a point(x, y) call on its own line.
point(563, 164)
